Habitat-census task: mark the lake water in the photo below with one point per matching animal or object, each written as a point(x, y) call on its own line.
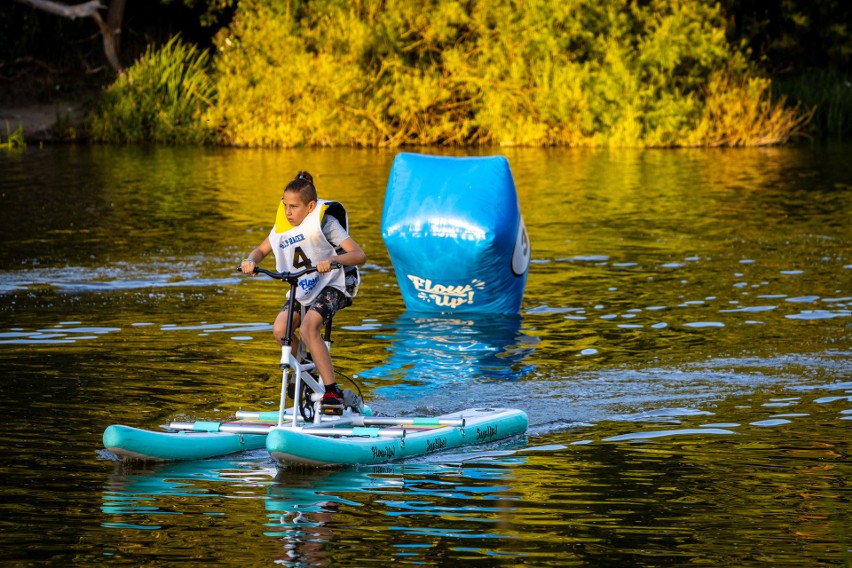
point(683, 353)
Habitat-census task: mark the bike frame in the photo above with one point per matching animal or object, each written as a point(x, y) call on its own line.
point(288, 361)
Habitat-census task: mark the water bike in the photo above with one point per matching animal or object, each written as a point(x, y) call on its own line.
point(306, 434)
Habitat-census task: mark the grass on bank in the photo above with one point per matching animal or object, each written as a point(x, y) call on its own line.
point(13, 140)
point(828, 94)
point(161, 98)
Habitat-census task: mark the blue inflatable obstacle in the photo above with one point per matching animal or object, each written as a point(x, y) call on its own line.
point(455, 235)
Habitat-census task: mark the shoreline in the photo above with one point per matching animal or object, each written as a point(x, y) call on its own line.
point(41, 122)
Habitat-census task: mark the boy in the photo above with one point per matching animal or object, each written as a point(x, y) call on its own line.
point(303, 237)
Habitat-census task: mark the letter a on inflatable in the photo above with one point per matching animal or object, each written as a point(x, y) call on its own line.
point(455, 235)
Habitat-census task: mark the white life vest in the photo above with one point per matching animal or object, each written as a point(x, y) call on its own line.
point(297, 248)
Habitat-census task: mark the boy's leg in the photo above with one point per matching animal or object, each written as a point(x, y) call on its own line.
point(311, 332)
point(327, 303)
point(279, 328)
point(332, 399)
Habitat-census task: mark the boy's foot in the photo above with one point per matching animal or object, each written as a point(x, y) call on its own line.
point(332, 400)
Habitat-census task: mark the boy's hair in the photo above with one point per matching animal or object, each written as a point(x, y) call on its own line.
point(303, 184)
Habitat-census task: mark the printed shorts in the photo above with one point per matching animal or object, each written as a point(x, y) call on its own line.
point(327, 303)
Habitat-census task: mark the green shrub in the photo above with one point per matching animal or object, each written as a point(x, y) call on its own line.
point(540, 72)
point(161, 98)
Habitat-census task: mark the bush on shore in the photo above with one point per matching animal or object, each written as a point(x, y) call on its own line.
point(161, 98)
point(541, 72)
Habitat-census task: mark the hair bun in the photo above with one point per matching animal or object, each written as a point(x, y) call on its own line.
point(304, 175)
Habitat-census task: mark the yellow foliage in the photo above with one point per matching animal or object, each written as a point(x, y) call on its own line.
point(532, 73)
point(742, 113)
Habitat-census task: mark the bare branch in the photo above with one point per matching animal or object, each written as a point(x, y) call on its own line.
point(110, 29)
point(84, 10)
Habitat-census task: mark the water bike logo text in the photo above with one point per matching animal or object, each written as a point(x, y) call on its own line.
point(445, 295)
point(485, 434)
point(435, 445)
point(387, 452)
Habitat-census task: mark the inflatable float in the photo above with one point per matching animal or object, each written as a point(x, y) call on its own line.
point(455, 235)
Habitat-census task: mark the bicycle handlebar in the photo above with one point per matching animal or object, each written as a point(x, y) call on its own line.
point(289, 276)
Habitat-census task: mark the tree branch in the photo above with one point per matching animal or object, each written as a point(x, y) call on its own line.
point(84, 10)
point(110, 29)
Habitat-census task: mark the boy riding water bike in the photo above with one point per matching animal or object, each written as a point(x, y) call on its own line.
point(308, 232)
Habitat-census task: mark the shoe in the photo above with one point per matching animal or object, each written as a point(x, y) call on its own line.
point(332, 400)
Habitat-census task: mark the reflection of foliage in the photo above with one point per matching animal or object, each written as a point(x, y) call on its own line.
point(13, 139)
point(585, 72)
point(160, 98)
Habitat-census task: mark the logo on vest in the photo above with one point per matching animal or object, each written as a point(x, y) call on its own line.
point(445, 295)
point(307, 284)
point(291, 241)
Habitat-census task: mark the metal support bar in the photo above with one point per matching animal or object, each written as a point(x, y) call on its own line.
point(360, 420)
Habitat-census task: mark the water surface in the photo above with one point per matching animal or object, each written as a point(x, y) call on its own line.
point(682, 351)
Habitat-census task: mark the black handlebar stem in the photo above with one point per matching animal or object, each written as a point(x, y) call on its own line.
point(291, 278)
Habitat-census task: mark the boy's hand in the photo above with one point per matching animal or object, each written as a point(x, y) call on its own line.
point(247, 267)
point(323, 266)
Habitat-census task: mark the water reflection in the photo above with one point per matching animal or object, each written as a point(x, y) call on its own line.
point(443, 353)
point(135, 495)
point(302, 507)
point(309, 512)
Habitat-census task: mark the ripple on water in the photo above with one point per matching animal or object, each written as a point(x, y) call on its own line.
point(770, 422)
point(819, 314)
point(166, 273)
point(803, 299)
point(590, 258)
point(782, 402)
point(665, 414)
point(207, 328)
point(63, 333)
point(830, 399)
point(749, 309)
point(653, 434)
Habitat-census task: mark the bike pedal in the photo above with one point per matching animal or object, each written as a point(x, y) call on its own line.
point(332, 410)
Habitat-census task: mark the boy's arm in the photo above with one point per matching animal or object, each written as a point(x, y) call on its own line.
point(256, 256)
point(353, 256)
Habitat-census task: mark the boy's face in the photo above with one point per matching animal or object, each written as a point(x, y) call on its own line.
point(295, 209)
